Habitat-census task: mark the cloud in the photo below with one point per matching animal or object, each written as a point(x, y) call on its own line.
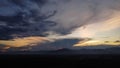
point(117, 41)
point(24, 18)
point(57, 44)
point(84, 18)
point(38, 17)
point(23, 42)
point(37, 44)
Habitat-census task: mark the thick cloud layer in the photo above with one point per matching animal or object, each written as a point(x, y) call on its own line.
point(45, 17)
point(23, 18)
point(86, 16)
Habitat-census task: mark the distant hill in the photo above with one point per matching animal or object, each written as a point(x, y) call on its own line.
point(67, 51)
point(64, 49)
point(102, 46)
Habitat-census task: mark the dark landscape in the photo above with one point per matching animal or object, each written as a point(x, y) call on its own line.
point(95, 50)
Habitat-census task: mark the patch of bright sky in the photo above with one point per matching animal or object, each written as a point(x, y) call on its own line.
point(108, 35)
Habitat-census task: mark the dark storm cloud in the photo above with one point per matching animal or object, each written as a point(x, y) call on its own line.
point(37, 17)
point(23, 18)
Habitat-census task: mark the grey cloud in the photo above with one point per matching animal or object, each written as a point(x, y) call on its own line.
point(36, 17)
point(23, 18)
point(78, 13)
point(57, 44)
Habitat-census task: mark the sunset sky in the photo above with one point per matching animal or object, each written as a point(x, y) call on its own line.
point(35, 23)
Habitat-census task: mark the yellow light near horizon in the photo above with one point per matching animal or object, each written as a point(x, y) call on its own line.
point(96, 43)
point(20, 42)
point(88, 43)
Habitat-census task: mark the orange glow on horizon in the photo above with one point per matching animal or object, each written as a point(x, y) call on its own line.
point(95, 42)
point(20, 42)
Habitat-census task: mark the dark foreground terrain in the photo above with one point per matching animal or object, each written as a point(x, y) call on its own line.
point(60, 60)
point(66, 51)
point(63, 57)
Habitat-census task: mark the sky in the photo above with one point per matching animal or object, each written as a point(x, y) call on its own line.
point(52, 24)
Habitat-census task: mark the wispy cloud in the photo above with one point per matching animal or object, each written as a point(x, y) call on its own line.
point(85, 18)
point(22, 42)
